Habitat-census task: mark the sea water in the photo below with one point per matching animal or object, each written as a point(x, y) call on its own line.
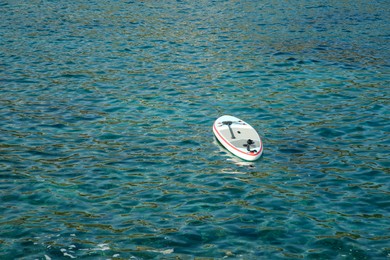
point(106, 143)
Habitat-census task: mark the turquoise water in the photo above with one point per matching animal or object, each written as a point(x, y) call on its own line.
point(106, 144)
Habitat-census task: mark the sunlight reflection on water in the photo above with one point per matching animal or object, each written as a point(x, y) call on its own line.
point(106, 142)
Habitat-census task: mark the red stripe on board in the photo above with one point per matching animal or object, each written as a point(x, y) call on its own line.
point(228, 143)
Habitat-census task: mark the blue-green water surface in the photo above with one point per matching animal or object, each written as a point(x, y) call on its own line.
point(106, 144)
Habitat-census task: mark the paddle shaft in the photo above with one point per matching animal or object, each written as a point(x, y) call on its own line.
point(229, 123)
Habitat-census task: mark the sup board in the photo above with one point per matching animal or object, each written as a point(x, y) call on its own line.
point(238, 137)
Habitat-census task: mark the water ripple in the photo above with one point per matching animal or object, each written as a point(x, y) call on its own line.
point(106, 147)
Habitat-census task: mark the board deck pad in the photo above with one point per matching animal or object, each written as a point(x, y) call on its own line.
point(238, 137)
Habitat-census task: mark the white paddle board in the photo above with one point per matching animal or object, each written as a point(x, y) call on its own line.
point(238, 137)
